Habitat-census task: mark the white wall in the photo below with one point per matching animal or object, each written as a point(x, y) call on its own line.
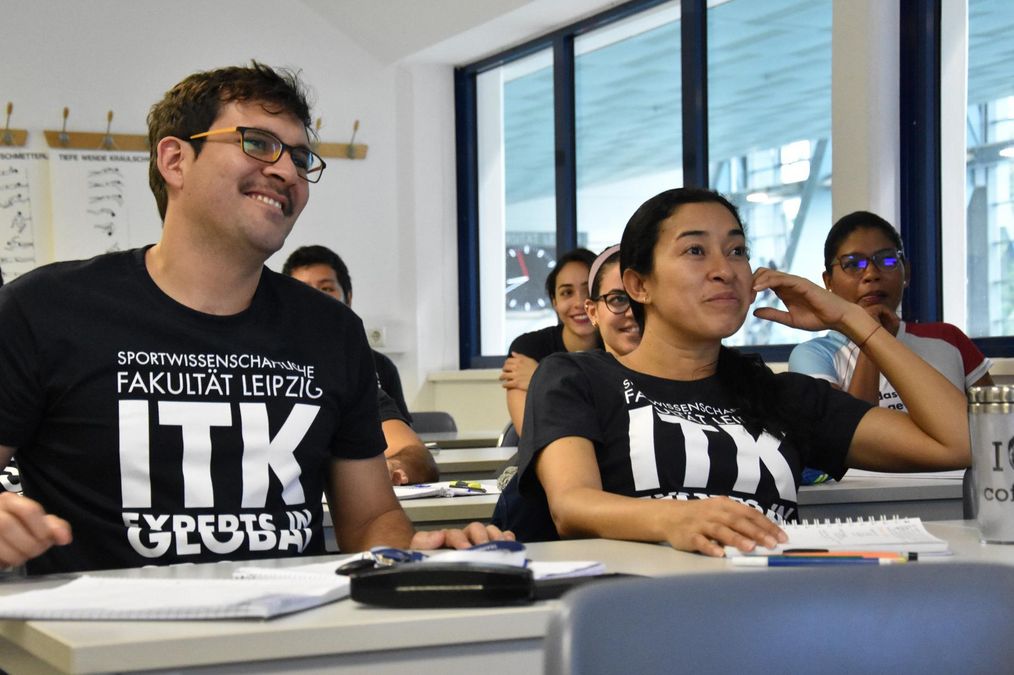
point(122, 55)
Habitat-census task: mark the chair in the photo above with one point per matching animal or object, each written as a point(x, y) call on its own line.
point(429, 422)
point(915, 618)
point(508, 437)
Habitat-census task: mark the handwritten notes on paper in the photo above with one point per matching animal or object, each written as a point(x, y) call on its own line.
point(72, 204)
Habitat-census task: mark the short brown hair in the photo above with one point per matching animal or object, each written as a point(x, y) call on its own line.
point(192, 105)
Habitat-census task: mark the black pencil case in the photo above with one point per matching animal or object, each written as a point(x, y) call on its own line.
point(443, 585)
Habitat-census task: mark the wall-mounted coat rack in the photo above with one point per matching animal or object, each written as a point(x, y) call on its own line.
point(350, 150)
point(94, 140)
point(12, 137)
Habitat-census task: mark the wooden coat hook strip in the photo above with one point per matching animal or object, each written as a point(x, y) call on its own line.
point(350, 150)
point(342, 150)
point(12, 137)
point(96, 140)
point(93, 140)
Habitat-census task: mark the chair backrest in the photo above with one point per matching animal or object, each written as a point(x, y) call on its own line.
point(508, 437)
point(919, 617)
point(432, 421)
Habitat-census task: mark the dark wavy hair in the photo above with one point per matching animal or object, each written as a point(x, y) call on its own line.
point(304, 256)
point(744, 377)
point(857, 220)
point(581, 255)
point(192, 105)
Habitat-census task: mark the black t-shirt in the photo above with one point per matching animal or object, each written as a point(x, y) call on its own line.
point(388, 408)
point(539, 344)
point(166, 435)
point(390, 382)
point(659, 438)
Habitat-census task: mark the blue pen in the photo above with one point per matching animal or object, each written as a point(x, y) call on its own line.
point(799, 561)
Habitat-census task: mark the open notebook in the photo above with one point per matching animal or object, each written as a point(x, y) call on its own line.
point(906, 535)
point(122, 598)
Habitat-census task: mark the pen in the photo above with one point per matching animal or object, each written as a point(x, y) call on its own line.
point(472, 486)
point(799, 561)
point(900, 555)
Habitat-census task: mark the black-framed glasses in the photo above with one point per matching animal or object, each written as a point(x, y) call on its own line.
point(886, 260)
point(264, 146)
point(617, 302)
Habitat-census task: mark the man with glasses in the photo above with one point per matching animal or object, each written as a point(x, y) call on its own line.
point(181, 402)
point(864, 262)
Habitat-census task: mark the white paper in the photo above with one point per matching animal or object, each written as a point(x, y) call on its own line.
point(117, 598)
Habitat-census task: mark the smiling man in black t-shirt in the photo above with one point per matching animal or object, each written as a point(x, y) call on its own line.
point(175, 403)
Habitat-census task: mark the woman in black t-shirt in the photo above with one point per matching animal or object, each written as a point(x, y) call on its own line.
point(686, 441)
point(567, 287)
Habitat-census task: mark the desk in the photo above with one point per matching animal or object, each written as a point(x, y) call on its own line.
point(462, 439)
point(864, 493)
point(471, 463)
point(858, 494)
point(346, 637)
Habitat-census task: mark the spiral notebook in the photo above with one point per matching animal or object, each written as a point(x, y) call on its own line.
point(907, 535)
point(120, 598)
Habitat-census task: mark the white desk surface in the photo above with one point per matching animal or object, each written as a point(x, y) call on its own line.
point(349, 637)
point(459, 462)
point(462, 439)
point(928, 496)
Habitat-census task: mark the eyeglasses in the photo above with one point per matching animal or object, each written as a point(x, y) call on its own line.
point(617, 302)
point(887, 260)
point(266, 147)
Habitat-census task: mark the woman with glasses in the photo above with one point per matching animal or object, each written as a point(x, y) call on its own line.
point(608, 306)
point(689, 442)
point(864, 263)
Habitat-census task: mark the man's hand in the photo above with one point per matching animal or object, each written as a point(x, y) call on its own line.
point(27, 531)
point(474, 533)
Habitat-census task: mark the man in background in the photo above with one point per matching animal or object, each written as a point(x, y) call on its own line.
point(409, 461)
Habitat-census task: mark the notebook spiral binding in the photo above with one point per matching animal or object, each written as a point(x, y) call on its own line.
point(816, 522)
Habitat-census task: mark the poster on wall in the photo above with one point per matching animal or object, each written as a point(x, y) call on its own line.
point(24, 210)
point(101, 203)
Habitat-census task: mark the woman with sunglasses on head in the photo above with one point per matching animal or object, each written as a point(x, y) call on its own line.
point(608, 308)
point(689, 442)
point(864, 263)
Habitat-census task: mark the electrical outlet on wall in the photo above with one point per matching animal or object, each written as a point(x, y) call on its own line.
point(376, 336)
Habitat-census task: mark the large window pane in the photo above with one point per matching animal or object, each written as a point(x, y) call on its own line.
point(517, 193)
point(628, 120)
point(990, 169)
point(769, 127)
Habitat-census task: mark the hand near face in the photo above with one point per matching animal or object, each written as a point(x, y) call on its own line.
point(474, 533)
point(517, 371)
point(887, 318)
point(26, 530)
point(809, 306)
point(707, 525)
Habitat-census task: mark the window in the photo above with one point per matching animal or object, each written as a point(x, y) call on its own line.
point(517, 198)
point(990, 170)
point(628, 105)
point(769, 131)
point(611, 85)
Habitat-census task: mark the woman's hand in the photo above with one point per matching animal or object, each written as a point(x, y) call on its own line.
point(809, 306)
point(517, 371)
point(707, 525)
